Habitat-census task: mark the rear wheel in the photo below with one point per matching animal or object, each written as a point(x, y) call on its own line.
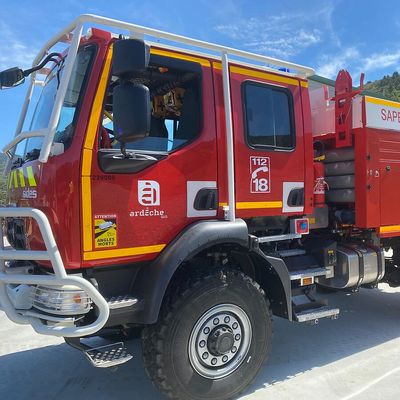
point(211, 339)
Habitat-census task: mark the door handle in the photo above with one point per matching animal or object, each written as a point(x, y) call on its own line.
point(388, 168)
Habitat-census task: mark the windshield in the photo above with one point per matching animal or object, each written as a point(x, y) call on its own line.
point(44, 107)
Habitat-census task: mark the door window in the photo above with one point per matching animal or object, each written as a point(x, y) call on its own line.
point(268, 116)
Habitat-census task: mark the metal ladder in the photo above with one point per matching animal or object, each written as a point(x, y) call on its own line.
point(305, 306)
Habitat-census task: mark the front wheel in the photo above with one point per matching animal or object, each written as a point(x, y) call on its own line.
point(211, 338)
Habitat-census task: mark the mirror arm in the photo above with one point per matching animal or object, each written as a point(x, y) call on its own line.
point(123, 150)
point(15, 76)
point(50, 57)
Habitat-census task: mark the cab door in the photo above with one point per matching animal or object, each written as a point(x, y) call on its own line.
point(133, 207)
point(269, 143)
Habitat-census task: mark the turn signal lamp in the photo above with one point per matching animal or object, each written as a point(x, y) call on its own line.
point(306, 281)
point(63, 300)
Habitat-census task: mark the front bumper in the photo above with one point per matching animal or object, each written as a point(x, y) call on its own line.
point(44, 323)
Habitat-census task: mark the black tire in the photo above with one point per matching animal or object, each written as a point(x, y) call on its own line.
point(166, 344)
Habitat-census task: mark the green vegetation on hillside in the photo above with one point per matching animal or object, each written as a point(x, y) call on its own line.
point(387, 87)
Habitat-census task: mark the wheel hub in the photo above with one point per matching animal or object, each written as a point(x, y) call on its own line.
point(220, 341)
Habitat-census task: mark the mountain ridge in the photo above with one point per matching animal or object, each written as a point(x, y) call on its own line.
point(387, 87)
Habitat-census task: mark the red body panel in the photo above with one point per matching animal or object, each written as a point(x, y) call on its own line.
point(367, 179)
point(389, 167)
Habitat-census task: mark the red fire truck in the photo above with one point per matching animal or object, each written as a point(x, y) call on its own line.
point(190, 191)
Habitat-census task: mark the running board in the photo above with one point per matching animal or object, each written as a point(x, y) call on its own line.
point(291, 253)
point(315, 314)
point(278, 238)
point(308, 273)
point(108, 356)
point(121, 302)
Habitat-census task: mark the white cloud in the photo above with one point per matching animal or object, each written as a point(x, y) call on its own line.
point(330, 65)
point(381, 60)
point(13, 51)
point(351, 59)
point(282, 35)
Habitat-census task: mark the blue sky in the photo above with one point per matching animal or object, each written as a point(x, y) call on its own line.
point(326, 35)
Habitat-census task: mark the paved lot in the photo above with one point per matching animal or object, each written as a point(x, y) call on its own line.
point(356, 357)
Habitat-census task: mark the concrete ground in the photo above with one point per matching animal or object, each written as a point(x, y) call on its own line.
point(356, 357)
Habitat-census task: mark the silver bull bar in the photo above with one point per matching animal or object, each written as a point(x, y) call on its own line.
point(59, 278)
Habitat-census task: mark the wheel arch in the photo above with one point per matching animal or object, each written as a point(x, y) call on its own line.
point(272, 275)
point(152, 281)
point(269, 272)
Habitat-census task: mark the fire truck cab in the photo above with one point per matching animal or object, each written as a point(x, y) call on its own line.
point(190, 195)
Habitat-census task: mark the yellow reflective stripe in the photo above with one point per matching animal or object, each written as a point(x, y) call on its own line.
point(15, 179)
point(263, 75)
point(242, 205)
point(166, 53)
point(87, 213)
point(97, 109)
point(87, 162)
point(21, 177)
point(132, 251)
point(31, 176)
point(383, 102)
point(389, 228)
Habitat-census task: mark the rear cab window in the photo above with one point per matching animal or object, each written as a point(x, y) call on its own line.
point(269, 117)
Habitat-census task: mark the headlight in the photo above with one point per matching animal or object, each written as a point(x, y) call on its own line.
point(62, 300)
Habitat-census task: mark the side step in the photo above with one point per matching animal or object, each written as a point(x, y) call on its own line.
point(108, 356)
point(306, 307)
point(121, 301)
point(314, 315)
point(307, 273)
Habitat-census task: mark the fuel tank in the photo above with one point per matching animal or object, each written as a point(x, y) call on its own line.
point(356, 265)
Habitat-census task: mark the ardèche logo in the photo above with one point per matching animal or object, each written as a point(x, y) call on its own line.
point(149, 196)
point(149, 193)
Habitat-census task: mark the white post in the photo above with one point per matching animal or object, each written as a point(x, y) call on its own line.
point(20, 125)
point(229, 137)
point(62, 90)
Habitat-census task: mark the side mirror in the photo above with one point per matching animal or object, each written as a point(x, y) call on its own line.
point(11, 77)
point(131, 102)
point(129, 57)
point(132, 112)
